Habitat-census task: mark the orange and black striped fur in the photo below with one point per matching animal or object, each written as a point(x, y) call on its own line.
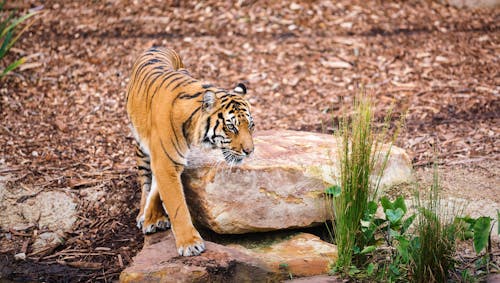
point(170, 111)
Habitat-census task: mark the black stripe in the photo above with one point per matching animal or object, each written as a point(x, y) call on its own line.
point(176, 143)
point(159, 87)
point(140, 68)
point(205, 86)
point(187, 124)
point(180, 83)
point(169, 83)
point(186, 83)
point(188, 96)
point(168, 155)
point(207, 127)
point(147, 175)
point(152, 82)
point(217, 122)
point(144, 168)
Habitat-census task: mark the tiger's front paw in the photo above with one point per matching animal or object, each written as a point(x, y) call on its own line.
point(190, 247)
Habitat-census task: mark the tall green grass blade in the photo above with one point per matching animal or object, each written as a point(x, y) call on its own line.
point(16, 22)
point(18, 34)
point(12, 66)
point(5, 44)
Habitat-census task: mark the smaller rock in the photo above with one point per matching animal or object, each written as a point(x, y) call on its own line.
point(20, 256)
point(317, 279)
point(302, 254)
point(159, 262)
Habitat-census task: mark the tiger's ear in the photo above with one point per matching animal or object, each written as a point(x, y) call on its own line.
point(240, 89)
point(208, 100)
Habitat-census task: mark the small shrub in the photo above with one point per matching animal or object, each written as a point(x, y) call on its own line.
point(9, 34)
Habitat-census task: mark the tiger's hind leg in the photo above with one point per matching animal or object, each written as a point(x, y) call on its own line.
point(144, 177)
point(155, 215)
point(152, 216)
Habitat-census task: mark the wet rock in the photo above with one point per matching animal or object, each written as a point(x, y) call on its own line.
point(279, 187)
point(299, 255)
point(159, 262)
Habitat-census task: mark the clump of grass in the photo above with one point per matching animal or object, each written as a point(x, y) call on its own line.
point(434, 246)
point(356, 162)
point(359, 153)
point(9, 34)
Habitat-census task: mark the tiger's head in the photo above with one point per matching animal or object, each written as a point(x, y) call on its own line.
point(229, 124)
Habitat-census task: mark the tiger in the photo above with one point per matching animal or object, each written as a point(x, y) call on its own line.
point(170, 112)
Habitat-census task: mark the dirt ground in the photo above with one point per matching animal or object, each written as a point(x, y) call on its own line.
point(64, 125)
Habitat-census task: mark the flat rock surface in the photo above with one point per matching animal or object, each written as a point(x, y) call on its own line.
point(302, 254)
point(159, 262)
point(280, 186)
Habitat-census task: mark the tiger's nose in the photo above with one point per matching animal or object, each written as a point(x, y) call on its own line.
point(248, 150)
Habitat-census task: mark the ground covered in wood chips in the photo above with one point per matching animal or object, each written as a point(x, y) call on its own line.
point(63, 120)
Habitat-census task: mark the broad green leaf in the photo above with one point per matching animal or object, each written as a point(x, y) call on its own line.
point(394, 233)
point(386, 203)
point(353, 271)
point(334, 191)
point(481, 233)
point(370, 269)
point(400, 203)
point(403, 248)
point(394, 215)
point(368, 249)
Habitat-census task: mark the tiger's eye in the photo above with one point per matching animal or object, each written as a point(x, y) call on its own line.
point(231, 127)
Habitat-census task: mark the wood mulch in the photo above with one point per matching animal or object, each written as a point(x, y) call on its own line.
point(64, 124)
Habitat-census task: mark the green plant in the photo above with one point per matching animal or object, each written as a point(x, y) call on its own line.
point(433, 247)
point(359, 152)
point(386, 240)
point(356, 165)
point(9, 34)
point(477, 229)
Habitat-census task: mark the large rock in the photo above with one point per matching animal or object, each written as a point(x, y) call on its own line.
point(280, 186)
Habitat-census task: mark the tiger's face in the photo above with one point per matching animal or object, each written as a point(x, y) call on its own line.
point(230, 124)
